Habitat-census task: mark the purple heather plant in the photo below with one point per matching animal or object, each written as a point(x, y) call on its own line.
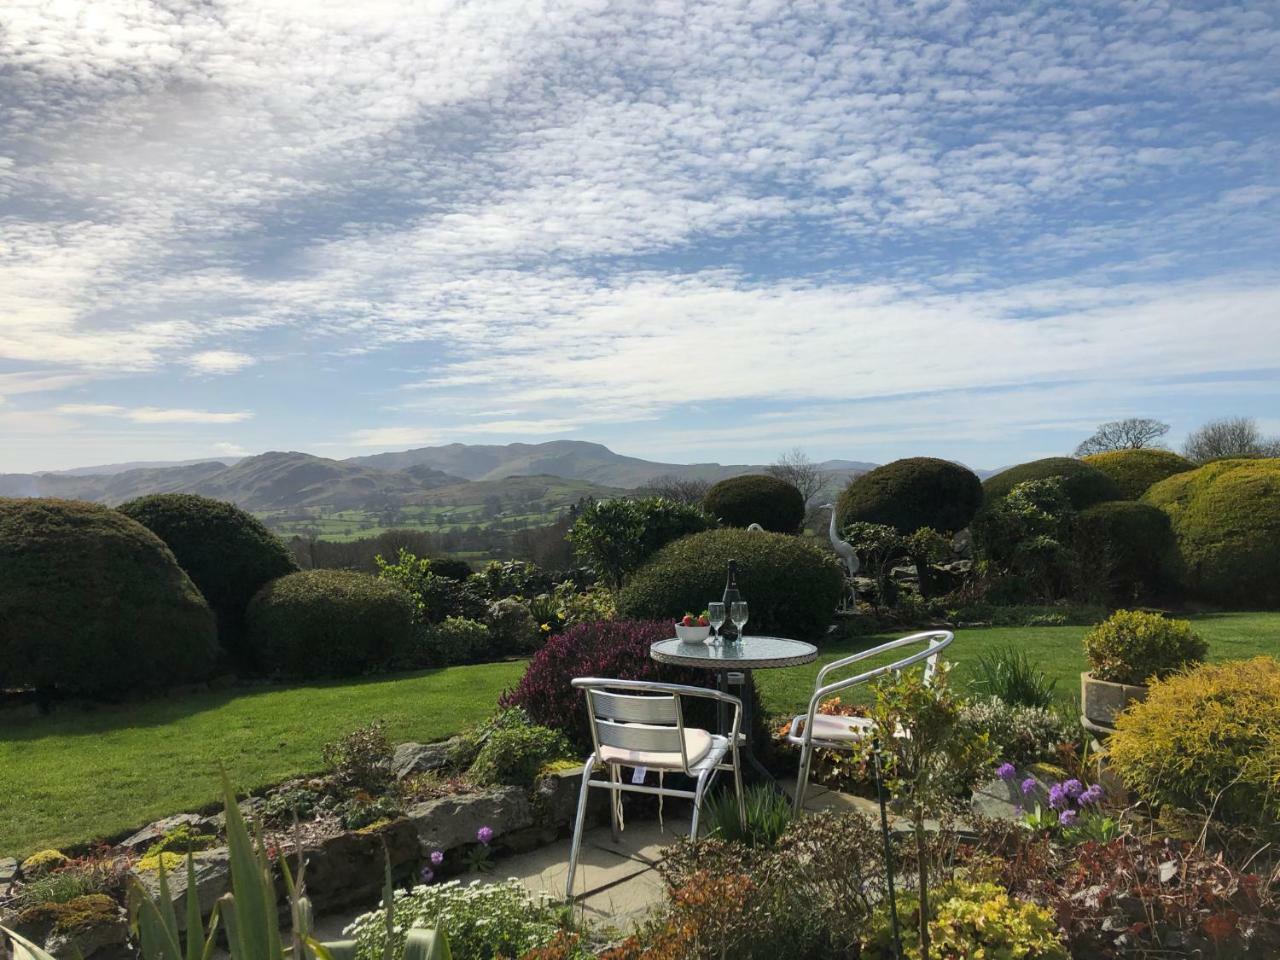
point(1006, 771)
point(485, 835)
point(1029, 785)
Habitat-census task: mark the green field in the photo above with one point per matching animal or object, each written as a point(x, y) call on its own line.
point(80, 774)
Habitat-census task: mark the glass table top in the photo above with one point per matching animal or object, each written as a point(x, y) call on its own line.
point(749, 653)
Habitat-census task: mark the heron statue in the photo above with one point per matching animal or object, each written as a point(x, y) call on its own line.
point(848, 556)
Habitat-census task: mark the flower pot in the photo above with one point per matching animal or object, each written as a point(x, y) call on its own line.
point(1101, 700)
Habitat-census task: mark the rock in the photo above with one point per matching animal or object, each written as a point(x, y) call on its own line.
point(350, 868)
point(213, 879)
point(411, 758)
point(1004, 799)
point(250, 809)
point(153, 832)
point(8, 870)
point(452, 822)
point(101, 941)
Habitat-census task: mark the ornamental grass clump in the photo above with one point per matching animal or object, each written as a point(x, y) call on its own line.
point(1207, 740)
point(1133, 647)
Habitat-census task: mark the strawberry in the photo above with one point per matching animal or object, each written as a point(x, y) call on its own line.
point(704, 622)
point(687, 621)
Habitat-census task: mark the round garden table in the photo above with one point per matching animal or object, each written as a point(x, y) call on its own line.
point(741, 656)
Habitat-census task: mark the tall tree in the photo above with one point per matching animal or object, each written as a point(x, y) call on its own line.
point(797, 469)
point(1132, 433)
point(671, 486)
point(1229, 437)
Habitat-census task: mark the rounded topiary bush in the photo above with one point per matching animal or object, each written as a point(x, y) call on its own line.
point(1133, 646)
point(1083, 484)
point(791, 586)
point(1226, 517)
point(1206, 739)
point(1134, 471)
point(1133, 543)
point(756, 498)
point(228, 553)
point(93, 603)
point(913, 493)
point(329, 623)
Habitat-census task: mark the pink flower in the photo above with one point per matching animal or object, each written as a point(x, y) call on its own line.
point(437, 857)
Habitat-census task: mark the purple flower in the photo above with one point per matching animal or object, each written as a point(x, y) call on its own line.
point(1018, 810)
point(437, 857)
point(1073, 787)
point(1092, 794)
point(427, 874)
point(1068, 817)
point(1058, 797)
point(485, 835)
point(1029, 785)
point(1006, 771)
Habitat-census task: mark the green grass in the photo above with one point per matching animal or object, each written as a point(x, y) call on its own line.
point(79, 775)
point(1055, 650)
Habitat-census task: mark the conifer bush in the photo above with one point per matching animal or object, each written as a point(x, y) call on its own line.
point(1083, 483)
point(756, 498)
point(1134, 471)
point(913, 493)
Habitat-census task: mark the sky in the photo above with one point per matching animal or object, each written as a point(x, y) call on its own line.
point(690, 231)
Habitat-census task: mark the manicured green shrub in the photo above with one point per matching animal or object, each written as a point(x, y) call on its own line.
point(513, 755)
point(93, 603)
point(756, 498)
point(913, 493)
point(613, 538)
point(452, 640)
point(1206, 739)
point(1131, 545)
point(1226, 517)
point(1133, 646)
point(228, 554)
point(1134, 471)
point(329, 623)
point(791, 586)
point(512, 628)
point(1083, 484)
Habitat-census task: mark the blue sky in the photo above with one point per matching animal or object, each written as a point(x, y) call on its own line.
point(689, 231)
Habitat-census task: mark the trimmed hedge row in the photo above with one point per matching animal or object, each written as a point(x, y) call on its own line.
point(1135, 543)
point(913, 493)
point(93, 603)
point(228, 553)
point(1083, 484)
point(756, 498)
point(1134, 471)
point(1226, 517)
point(792, 587)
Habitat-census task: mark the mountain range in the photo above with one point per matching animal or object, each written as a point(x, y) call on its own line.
point(287, 481)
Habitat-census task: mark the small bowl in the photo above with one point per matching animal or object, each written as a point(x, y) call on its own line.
point(693, 634)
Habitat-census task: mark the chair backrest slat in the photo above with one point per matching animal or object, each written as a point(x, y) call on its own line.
point(630, 708)
point(636, 736)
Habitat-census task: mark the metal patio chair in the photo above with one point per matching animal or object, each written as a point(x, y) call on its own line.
point(816, 731)
point(636, 723)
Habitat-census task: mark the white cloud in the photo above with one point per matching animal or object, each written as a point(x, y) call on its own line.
point(152, 414)
point(228, 449)
point(219, 361)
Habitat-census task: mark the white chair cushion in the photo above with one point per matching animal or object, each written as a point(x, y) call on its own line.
point(697, 744)
point(830, 727)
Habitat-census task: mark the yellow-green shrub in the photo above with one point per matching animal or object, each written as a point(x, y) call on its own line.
point(152, 862)
point(1207, 738)
point(42, 862)
point(974, 920)
point(1134, 471)
point(1226, 516)
point(1132, 646)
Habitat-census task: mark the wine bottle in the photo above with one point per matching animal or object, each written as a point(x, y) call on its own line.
point(728, 631)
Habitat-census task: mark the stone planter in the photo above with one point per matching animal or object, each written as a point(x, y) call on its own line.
point(1102, 701)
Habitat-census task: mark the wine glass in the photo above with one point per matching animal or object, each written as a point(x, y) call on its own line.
point(715, 614)
point(738, 614)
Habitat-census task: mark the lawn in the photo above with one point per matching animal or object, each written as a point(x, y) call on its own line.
point(82, 774)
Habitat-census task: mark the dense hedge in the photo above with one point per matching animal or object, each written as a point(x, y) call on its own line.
point(1207, 739)
point(228, 553)
point(93, 603)
point(329, 623)
point(613, 538)
point(1226, 517)
point(1135, 543)
point(1134, 471)
point(913, 493)
point(756, 498)
point(792, 587)
point(1083, 484)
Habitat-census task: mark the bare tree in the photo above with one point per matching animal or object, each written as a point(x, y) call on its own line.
point(680, 489)
point(1132, 433)
point(797, 469)
point(1229, 437)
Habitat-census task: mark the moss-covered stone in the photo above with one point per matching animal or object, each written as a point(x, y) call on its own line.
point(42, 862)
point(74, 916)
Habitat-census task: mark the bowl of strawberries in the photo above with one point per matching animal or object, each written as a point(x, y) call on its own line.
point(693, 628)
